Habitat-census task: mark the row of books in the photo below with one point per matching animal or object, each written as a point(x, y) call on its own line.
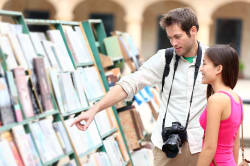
point(121, 46)
point(19, 147)
point(21, 48)
point(74, 90)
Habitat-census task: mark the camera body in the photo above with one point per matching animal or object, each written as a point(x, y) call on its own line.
point(173, 138)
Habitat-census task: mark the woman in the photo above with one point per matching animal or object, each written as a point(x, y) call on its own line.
point(222, 117)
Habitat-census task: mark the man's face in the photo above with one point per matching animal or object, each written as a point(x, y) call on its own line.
point(181, 42)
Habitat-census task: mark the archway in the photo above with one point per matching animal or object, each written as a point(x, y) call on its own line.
point(112, 12)
point(236, 27)
point(151, 30)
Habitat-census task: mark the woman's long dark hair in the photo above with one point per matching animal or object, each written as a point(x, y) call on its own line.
point(227, 57)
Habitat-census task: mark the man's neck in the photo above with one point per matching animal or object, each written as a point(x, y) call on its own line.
point(193, 51)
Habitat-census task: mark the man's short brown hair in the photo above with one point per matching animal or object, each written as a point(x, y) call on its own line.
point(185, 17)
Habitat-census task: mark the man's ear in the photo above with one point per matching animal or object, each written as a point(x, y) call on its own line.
point(219, 69)
point(193, 30)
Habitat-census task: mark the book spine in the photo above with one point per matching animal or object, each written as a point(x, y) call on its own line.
point(23, 91)
point(6, 111)
point(43, 84)
point(14, 96)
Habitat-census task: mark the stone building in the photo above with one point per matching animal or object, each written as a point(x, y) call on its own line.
point(221, 21)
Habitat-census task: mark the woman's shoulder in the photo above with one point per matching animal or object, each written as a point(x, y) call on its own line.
point(218, 100)
point(219, 97)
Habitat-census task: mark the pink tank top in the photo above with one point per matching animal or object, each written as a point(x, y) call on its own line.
point(227, 133)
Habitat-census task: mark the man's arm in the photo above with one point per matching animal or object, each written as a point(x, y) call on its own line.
point(150, 73)
point(114, 95)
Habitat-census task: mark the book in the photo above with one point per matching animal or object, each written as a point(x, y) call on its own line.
point(131, 48)
point(6, 111)
point(39, 49)
point(25, 146)
point(84, 43)
point(56, 90)
point(44, 89)
point(7, 50)
point(41, 141)
point(113, 151)
point(81, 139)
point(61, 131)
point(21, 81)
point(14, 96)
point(52, 140)
point(6, 156)
point(49, 48)
point(9, 137)
point(113, 48)
point(92, 84)
point(78, 84)
point(60, 49)
point(19, 55)
point(103, 122)
point(76, 45)
point(27, 48)
point(69, 96)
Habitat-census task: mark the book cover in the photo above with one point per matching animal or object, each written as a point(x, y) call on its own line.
point(21, 59)
point(60, 49)
point(78, 84)
point(70, 98)
point(61, 132)
point(113, 48)
point(56, 89)
point(49, 133)
point(6, 156)
point(25, 146)
point(7, 50)
point(27, 48)
point(9, 137)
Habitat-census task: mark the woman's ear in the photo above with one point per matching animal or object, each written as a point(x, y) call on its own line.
point(219, 69)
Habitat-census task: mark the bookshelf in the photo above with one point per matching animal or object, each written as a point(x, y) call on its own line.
point(57, 116)
point(60, 26)
point(26, 123)
point(96, 34)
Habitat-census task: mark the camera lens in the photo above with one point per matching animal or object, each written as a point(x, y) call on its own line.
point(172, 145)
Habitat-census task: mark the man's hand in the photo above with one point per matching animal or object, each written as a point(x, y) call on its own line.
point(86, 116)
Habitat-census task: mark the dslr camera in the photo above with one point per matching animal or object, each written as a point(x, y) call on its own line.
point(173, 138)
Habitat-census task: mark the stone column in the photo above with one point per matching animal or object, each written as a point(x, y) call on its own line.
point(134, 28)
point(204, 31)
point(2, 2)
point(64, 9)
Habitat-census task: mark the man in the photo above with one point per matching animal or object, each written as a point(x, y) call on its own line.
point(181, 26)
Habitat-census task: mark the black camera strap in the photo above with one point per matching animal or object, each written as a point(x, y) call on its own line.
point(197, 66)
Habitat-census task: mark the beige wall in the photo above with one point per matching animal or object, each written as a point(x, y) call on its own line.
point(139, 17)
point(21, 5)
point(84, 9)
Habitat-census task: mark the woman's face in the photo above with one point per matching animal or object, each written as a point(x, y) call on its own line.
point(209, 71)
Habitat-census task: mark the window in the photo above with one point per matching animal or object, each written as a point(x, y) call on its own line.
point(162, 41)
point(228, 31)
point(107, 19)
point(36, 14)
